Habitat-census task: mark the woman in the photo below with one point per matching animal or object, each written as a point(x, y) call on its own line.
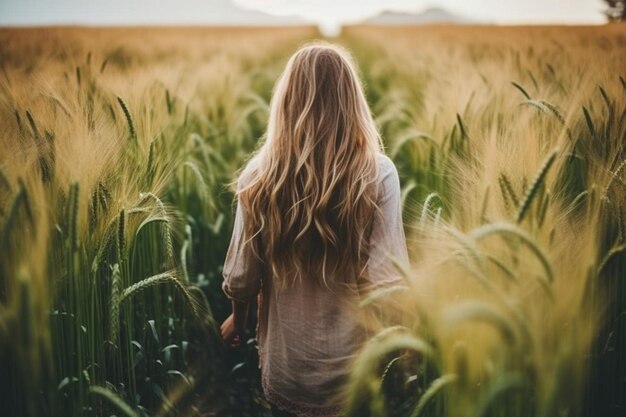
point(318, 224)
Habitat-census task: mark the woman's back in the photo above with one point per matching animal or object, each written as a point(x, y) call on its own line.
point(318, 224)
point(308, 333)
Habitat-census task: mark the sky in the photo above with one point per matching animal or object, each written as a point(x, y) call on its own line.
point(323, 12)
point(497, 11)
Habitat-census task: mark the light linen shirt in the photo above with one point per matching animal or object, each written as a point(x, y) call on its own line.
point(307, 334)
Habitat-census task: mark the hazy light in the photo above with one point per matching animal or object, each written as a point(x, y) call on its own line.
point(329, 28)
point(328, 14)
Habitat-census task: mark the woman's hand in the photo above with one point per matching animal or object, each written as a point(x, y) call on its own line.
point(231, 336)
point(234, 327)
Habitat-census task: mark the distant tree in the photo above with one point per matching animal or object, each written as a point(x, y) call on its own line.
point(616, 10)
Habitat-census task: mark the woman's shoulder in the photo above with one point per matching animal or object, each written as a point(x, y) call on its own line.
point(388, 181)
point(383, 160)
point(386, 167)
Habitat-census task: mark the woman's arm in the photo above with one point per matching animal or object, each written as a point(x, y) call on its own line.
point(242, 274)
point(388, 249)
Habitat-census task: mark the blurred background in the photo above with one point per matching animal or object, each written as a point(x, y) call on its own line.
point(328, 15)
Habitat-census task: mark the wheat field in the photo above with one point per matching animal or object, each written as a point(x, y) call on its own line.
point(116, 148)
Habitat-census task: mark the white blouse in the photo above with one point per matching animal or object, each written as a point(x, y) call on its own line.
point(307, 334)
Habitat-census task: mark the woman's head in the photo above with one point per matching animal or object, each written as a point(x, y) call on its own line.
point(310, 203)
point(319, 95)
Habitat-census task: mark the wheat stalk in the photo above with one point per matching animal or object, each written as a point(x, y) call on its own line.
point(168, 277)
point(114, 306)
point(121, 236)
point(534, 187)
point(73, 216)
point(129, 118)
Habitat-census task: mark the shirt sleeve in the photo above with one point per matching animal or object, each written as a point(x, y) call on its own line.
point(242, 269)
point(387, 238)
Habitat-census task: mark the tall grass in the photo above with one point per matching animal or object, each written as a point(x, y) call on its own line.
point(509, 187)
point(115, 219)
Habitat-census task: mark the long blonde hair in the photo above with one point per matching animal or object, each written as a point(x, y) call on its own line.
point(312, 197)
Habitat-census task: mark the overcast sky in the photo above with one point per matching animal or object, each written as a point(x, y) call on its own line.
point(24, 12)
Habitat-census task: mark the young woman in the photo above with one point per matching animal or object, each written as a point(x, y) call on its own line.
point(318, 224)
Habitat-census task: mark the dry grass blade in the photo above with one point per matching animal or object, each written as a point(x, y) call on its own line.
point(381, 293)
point(554, 110)
point(616, 249)
point(521, 89)
point(406, 191)
point(483, 206)
point(610, 105)
point(33, 125)
point(548, 108)
point(121, 236)
point(426, 209)
point(183, 260)
point(517, 232)
point(206, 311)
point(129, 118)
point(434, 388)
point(614, 175)
point(151, 164)
point(462, 127)
point(487, 313)
point(537, 104)
point(410, 137)
point(468, 245)
point(496, 390)
point(543, 209)
point(589, 121)
point(534, 187)
point(114, 399)
point(502, 266)
point(73, 215)
point(169, 102)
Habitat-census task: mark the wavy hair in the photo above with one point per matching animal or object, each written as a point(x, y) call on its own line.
point(312, 196)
